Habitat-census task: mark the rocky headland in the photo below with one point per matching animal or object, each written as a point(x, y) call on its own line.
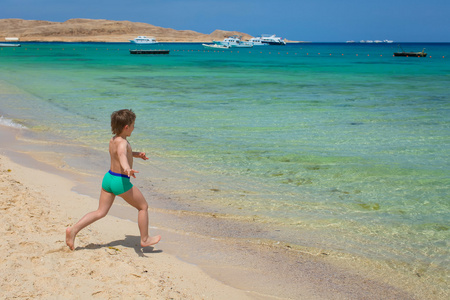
point(88, 30)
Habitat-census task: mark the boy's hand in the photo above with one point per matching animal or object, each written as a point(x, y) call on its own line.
point(130, 172)
point(142, 155)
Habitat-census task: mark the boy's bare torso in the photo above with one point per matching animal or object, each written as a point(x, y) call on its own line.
point(116, 145)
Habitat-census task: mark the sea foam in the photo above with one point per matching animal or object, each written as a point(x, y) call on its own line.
point(10, 123)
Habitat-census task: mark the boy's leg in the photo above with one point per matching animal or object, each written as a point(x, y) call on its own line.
point(105, 202)
point(135, 198)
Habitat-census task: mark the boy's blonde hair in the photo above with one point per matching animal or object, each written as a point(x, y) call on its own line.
point(121, 118)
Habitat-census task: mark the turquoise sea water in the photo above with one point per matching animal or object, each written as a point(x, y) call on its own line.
point(343, 145)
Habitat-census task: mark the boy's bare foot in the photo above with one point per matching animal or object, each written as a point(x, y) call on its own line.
point(69, 238)
point(150, 241)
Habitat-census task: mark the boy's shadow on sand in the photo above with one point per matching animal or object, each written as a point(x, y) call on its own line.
point(129, 241)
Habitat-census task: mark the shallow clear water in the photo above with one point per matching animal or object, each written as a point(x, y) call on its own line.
point(344, 144)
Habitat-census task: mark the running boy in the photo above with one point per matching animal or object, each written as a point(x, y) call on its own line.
point(116, 181)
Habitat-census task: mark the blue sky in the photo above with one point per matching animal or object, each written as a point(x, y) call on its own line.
point(312, 20)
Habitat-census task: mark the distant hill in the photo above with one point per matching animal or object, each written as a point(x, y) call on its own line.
point(87, 30)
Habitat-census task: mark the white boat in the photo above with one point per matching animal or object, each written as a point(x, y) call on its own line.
point(144, 40)
point(234, 42)
point(352, 41)
point(215, 46)
point(9, 45)
point(369, 41)
point(388, 41)
point(256, 41)
point(272, 40)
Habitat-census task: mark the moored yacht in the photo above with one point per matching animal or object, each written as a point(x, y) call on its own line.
point(256, 41)
point(215, 46)
point(144, 40)
point(272, 40)
point(234, 42)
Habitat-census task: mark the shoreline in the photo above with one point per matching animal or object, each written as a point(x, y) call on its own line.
point(37, 205)
point(255, 267)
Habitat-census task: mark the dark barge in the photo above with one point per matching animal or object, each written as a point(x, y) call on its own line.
point(413, 54)
point(149, 51)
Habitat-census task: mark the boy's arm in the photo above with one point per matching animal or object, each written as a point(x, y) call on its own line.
point(140, 155)
point(123, 159)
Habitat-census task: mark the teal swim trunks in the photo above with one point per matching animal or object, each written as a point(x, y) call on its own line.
point(116, 183)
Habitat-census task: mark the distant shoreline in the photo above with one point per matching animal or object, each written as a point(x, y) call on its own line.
point(107, 31)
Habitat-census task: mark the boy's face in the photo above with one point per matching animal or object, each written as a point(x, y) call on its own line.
point(129, 129)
